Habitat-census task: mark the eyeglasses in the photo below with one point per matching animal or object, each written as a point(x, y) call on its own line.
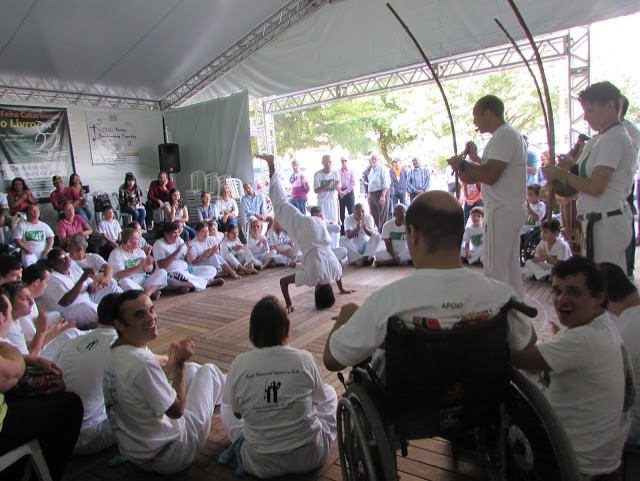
point(62, 257)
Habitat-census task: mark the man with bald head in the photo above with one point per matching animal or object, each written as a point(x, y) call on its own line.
point(326, 184)
point(439, 294)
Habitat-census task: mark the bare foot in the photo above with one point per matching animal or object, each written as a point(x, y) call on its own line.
point(292, 264)
point(184, 290)
point(253, 271)
point(234, 276)
point(215, 282)
point(347, 291)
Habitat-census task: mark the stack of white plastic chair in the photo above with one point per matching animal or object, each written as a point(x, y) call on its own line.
point(211, 182)
point(236, 187)
point(197, 180)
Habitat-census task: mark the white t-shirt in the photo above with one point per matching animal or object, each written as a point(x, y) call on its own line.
point(112, 229)
point(628, 324)
point(162, 249)
point(634, 134)
point(445, 296)
point(137, 395)
point(397, 234)
point(120, 259)
point(281, 239)
point(541, 209)
point(82, 361)
point(16, 337)
point(179, 214)
point(60, 284)
point(228, 246)
point(611, 149)
point(226, 207)
point(320, 179)
point(259, 246)
point(34, 235)
point(474, 236)
point(507, 145)
point(197, 247)
point(95, 261)
point(560, 250)
point(587, 392)
point(274, 389)
point(361, 238)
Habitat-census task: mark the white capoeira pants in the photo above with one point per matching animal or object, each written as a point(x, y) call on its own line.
point(477, 254)
point(83, 314)
point(502, 245)
point(366, 249)
point(331, 211)
point(539, 270)
point(611, 236)
point(383, 255)
point(214, 260)
point(259, 259)
point(144, 281)
point(197, 277)
point(112, 288)
point(242, 257)
point(204, 391)
point(300, 460)
point(95, 437)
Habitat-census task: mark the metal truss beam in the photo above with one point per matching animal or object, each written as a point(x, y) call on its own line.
point(74, 98)
point(579, 77)
point(484, 61)
point(292, 13)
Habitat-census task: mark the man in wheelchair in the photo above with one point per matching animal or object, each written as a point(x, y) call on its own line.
point(439, 294)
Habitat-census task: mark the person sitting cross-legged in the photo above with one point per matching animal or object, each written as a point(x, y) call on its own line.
point(588, 381)
point(280, 241)
point(34, 237)
point(361, 238)
point(394, 235)
point(160, 425)
point(551, 250)
point(103, 280)
point(237, 255)
point(170, 253)
point(134, 268)
point(288, 416)
point(257, 243)
point(205, 250)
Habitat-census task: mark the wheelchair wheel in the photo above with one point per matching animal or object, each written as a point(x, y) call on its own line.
point(365, 452)
point(537, 448)
point(529, 244)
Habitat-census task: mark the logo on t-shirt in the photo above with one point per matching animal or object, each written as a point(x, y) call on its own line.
point(271, 391)
point(128, 264)
point(34, 235)
point(476, 240)
point(397, 236)
point(324, 182)
point(87, 343)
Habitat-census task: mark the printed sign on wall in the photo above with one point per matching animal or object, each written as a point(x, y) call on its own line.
point(113, 138)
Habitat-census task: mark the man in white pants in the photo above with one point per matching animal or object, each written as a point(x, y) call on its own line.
point(160, 426)
point(394, 234)
point(82, 361)
point(326, 183)
point(503, 172)
point(134, 269)
point(361, 238)
point(34, 237)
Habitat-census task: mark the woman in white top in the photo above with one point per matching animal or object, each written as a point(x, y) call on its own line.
point(176, 211)
point(257, 243)
point(227, 209)
point(289, 413)
point(205, 250)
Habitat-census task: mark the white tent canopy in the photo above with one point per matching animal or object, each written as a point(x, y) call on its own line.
point(144, 49)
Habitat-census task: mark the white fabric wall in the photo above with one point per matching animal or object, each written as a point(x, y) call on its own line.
point(104, 177)
point(213, 136)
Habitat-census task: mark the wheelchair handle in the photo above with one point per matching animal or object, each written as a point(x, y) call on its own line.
point(518, 305)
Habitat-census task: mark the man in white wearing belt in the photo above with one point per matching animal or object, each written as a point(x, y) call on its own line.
point(502, 171)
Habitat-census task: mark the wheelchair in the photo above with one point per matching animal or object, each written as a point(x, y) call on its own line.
point(455, 384)
point(528, 243)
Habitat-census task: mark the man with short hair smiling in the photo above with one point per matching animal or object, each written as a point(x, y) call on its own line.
point(160, 426)
point(361, 238)
point(584, 367)
point(253, 204)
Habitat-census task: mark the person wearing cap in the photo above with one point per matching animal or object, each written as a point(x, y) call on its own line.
point(62, 194)
point(299, 188)
point(130, 198)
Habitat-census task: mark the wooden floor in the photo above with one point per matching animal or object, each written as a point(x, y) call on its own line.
point(218, 321)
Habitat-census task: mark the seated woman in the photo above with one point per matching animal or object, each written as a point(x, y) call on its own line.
point(158, 194)
point(176, 211)
point(207, 210)
point(227, 209)
point(237, 255)
point(170, 253)
point(130, 198)
point(205, 250)
point(263, 255)
point(19, 196)
point(71, 224)
point(75, 183)
point(289, 415)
